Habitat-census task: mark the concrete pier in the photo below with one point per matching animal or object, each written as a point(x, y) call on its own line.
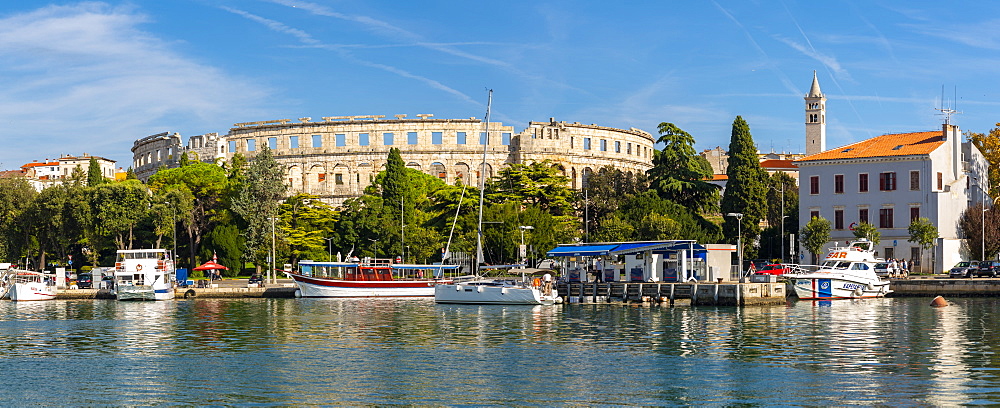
point(191, 293)
point(945, 287)
point(703, 293)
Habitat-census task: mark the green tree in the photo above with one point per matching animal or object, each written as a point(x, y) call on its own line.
point(226, 242)
point(989, 146)
point(117, 209)
point(614, 229)
point(815, 235)
point(16, 194)
point(745, 190)
point(679, 173)
point(306, 222)
point(130, 174)
point(540, 184)
point(206, 184)
point(971, 223)
point(868, 231)
point(94, 175)
point(655, 227)
point(923, 233)
point(256, 201)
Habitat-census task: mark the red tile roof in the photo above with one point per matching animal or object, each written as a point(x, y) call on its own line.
point(899, 144)
point(778, 164)
point(37, 164)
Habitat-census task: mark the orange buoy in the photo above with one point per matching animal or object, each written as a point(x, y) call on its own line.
point(939, 302)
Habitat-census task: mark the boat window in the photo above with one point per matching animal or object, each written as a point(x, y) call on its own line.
point(859, 266)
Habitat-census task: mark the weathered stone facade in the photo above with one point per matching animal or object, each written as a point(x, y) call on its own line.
point(165, 150)
point(337, 157)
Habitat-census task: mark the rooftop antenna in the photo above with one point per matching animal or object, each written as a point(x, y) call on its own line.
point(946, 112)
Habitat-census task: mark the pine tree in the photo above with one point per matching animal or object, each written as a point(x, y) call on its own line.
point(94, 176)
point(746, 189)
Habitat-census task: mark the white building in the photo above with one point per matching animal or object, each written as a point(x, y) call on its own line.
point(888, 181)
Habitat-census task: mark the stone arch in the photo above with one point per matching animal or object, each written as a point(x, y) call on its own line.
point(440, 171)
point(414, 165)
point(340, 179)
point(462, 172)
point(294, 178)
point(363, 177)
point(573, 177)
point(314, 181)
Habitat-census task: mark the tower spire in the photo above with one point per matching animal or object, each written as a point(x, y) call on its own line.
point(814, 91)
point(815, 119)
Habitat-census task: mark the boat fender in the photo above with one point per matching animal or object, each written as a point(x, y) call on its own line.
point(503, 291)
point(458, 288)
point(190, 294)
point(858, 292)
point(871, 286)
point(479, 289)
point(298, 293)
point(559, 299)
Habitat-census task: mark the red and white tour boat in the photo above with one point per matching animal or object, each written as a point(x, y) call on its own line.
point(354, 279)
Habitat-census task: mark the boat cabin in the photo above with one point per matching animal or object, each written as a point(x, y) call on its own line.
point(644, 261)
point(355, 271)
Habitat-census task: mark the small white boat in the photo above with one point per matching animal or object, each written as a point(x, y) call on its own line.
point(29, 285)
point(353, 279)
point(495, 292)
point(144, 274)
point(846, 273)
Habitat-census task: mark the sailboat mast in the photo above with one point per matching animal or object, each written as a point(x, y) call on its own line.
point(482, 187)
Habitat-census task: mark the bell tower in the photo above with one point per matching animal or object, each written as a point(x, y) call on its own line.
point(815, 119)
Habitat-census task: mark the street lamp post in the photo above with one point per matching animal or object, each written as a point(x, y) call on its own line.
point(524, 255)
point(173, 228)
point(270, 273)
point(329, 244)
point(739, 240)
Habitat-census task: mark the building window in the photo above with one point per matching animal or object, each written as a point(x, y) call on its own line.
point(863, 183)
point(813, 185)
point(890, 252)
point(838, 184)
point(505, 139)
point(885, 218)
point(915, 180)
point(862, 216)
point(628, 149)
point(813, 214)
point(293, 142)
point(618, 147)
point(586, 143)
point(940, 181)
point(387, 139)
point(460, 138)
point(411, 138)
point(914, 214)
point(251, 145)
point(436, 138)
point(317, 140)
point(321, 177)
point(232, 146)
point(272, 143)
point(338, 178)
point(887, 181)
point(838, 219)
point(604, 145)
point(362, 140)
point(482, 138)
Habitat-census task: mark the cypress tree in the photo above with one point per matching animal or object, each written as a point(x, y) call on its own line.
point(746, 189)
point(94, 176)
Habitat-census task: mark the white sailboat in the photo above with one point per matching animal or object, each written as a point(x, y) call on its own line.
point(492, 291)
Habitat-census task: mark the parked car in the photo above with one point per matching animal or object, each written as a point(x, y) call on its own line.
point(882, 269)
point(988, 268)
point(85, 280)
point(963, 269)
point(774, 269)
point(255, 278)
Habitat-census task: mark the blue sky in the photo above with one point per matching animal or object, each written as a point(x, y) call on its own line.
point(92, 77)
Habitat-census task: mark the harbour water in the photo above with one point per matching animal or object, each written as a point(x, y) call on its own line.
point(414, 352)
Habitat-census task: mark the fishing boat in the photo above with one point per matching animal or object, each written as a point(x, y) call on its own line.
point(846, 273)
point(144, 274)
point(356, 279)
point(479, 290)
point(29, 285)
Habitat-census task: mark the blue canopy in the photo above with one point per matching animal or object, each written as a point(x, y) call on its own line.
point(408, 266)
point(582, 250)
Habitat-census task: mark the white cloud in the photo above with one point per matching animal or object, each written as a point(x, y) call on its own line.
point(87, 78)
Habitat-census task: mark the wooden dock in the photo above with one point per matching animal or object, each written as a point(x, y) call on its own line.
point(722, 294)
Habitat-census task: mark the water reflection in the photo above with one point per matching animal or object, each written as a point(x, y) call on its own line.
point(415, 352)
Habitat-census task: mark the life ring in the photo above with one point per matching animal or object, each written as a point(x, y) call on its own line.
point(536, 283)
point(190, 294)
point(851, 227)
point(138, 267)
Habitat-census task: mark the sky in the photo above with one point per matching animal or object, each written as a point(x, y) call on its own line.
point(93, 77)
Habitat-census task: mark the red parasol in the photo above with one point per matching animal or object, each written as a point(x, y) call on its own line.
point(210, 265)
